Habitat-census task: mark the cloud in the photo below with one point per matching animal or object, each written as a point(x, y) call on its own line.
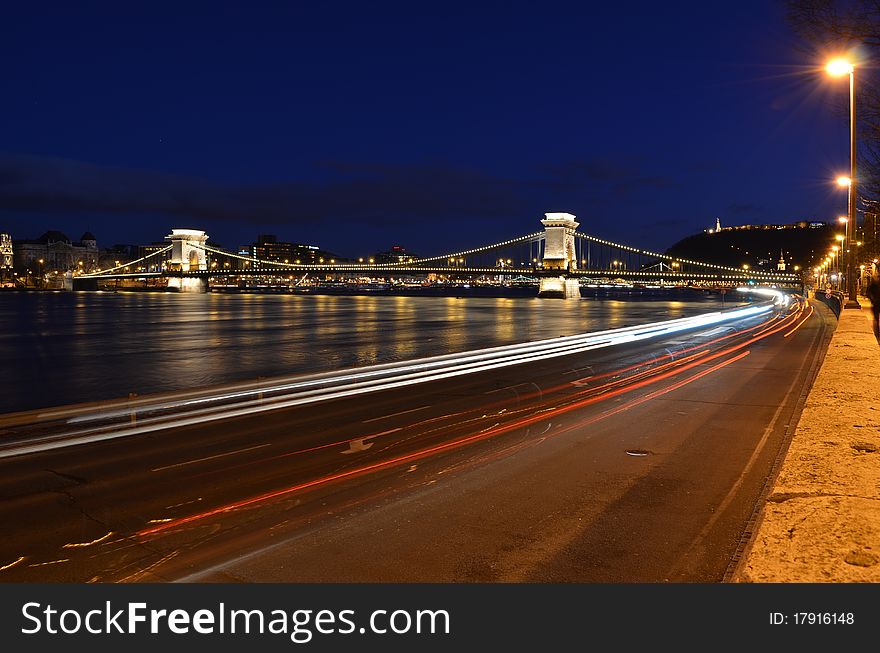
point(357, 192)
point(369, 193)
point(602, 176)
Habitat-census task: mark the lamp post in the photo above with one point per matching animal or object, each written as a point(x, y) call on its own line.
point(838, 68)
point(835, 257)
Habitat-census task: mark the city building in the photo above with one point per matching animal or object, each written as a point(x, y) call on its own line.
point(155, 263)
point(269, 248)
point(396, 254)
point(117, 255)
point(6, 253)
point(55, 251)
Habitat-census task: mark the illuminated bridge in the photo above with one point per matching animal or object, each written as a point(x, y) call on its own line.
point(559, 258)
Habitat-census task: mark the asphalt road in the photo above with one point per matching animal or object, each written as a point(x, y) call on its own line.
point(641, 462)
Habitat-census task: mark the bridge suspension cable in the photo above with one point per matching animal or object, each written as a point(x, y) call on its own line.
point(538, 235)
point(667, 257)
point(126, 265)
point(300, 266)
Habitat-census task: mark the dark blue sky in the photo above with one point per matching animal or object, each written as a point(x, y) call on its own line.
point(355, 126)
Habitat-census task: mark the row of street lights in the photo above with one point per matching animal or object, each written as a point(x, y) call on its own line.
point(839, 68)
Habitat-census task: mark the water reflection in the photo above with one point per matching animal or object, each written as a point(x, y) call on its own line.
point(70, 347)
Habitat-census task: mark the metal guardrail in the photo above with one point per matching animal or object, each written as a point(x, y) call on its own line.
point(833, 299)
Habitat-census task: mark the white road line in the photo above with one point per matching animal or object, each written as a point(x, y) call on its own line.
point(403, 412)
point(219, 455)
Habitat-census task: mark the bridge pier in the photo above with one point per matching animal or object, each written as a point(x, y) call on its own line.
point(188, 284)
point(559, 288)
point(76, 283)
point(559, 257)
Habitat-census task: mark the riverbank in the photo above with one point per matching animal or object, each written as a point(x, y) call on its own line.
point(821, 520)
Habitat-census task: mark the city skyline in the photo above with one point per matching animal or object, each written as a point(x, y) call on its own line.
point(318, 125)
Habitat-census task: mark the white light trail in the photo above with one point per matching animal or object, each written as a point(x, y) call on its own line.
point(89, 424)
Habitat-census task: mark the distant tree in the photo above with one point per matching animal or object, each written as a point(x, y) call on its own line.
point(835, 26)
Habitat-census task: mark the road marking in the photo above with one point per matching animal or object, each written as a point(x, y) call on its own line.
point(219, 455)
point(196, 576)
point(728, 498)
point(491, 431)
point(360, 444)
point(403, 412)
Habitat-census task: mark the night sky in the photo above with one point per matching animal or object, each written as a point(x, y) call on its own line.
point(355, 126)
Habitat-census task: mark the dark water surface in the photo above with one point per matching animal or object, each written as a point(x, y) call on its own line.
point(60, 348)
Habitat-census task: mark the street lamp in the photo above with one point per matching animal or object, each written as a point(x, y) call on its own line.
point(839, 68)
point(835, 257)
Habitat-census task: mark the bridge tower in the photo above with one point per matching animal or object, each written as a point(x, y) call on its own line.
point(559, 257)
point(188, 255)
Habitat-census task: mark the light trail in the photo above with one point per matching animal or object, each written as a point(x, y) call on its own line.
point(10, 565)
point(454, 444)
point(801, 323)
point(606, 391)
point(79, 545)
point(352, 383)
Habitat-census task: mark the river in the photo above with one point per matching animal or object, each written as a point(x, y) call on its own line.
point(62, 348)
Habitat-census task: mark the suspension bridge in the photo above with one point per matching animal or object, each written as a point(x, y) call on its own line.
point(559, 258)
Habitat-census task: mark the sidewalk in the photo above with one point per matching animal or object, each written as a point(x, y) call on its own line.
point(821, 521)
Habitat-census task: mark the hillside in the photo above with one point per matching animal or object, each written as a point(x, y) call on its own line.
point(759, 247)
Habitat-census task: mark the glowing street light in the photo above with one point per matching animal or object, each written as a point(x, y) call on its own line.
point(840, 67)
